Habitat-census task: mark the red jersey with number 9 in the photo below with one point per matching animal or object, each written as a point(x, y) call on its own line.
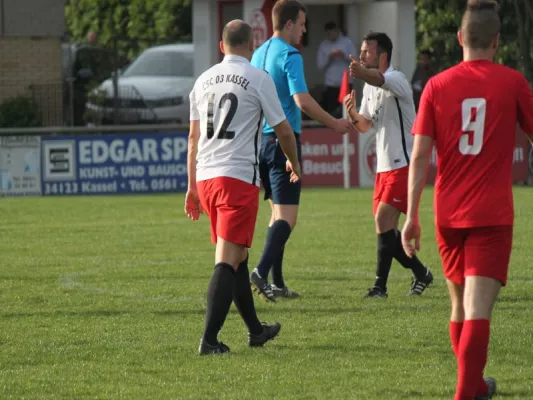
point(471, 110)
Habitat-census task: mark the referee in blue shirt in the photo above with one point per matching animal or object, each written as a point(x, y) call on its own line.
point(284, 63)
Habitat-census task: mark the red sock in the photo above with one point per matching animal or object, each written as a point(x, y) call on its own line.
point(472, 357)
point(455, 335)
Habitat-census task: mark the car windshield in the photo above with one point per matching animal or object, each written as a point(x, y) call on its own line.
point(162, 63)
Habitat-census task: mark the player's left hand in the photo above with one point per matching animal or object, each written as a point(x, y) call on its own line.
point(193, 209)
point(411, 231)
point(356, 69)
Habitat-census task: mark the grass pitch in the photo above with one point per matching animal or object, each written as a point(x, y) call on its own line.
point(104, 298)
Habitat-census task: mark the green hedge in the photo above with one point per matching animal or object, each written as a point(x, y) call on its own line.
point(20, 112)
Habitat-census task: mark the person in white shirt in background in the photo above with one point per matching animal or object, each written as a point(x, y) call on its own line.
point(333, 58)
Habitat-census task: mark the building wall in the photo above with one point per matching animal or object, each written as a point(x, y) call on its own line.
point(32, 67)
point(30, 54)
point(32, 18)
point(317, 16)
point(380, 17)
point(205, 35)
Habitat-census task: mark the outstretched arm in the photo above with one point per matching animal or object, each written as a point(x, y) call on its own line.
point(308, 105)
point(393, 80)
point(298, 90)
point(371, 76)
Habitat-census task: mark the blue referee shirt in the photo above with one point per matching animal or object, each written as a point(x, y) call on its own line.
point(285, 65)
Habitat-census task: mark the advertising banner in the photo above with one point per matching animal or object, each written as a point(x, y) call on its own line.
point(20, 166)
point(322, 158)
point(530, 178)
point(260, 19)
point(114, 164)
point(367, 160)
point(521, 158)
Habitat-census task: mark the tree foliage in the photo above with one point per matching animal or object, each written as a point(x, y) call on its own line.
point(439, 20)
point(136, 24)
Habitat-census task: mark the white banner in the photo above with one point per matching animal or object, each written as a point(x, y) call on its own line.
point(20, 165)
point(367, 158)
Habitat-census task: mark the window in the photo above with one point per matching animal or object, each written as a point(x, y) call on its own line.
point(162, 63)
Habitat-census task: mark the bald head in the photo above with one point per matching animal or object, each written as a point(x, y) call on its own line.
point(237, 33)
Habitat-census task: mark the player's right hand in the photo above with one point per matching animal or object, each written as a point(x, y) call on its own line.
point(295, 171)
point(193, 209)
point(350, 102)
point(411, 231)
point(343, 126)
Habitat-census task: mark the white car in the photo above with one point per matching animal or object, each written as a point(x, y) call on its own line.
point(152, 89)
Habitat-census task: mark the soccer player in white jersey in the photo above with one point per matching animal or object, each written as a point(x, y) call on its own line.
point(227, 106)
point(387, 106)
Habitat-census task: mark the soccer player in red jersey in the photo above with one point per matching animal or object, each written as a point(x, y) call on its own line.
point(470, 112)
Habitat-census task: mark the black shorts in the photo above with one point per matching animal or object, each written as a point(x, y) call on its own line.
point(272, 170)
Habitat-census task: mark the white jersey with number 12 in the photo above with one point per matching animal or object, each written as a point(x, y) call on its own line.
point(230, 100)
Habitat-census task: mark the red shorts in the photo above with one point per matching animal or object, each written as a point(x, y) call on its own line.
point(232, 206)
point(480, 251)
point(391, 187)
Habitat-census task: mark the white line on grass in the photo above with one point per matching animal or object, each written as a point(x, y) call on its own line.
point(74, 281)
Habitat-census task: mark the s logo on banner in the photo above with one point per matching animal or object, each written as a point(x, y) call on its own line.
point(259, 28)
point(58, 160)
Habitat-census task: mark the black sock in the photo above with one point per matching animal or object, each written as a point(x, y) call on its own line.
point(219, 298)
point(414, 264)
point(277, 236)
point(244, 300)
point(386, 245)
point(267, 243)
point(277, 273)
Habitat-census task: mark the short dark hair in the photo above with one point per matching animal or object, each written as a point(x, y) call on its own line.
point(426, 52)
point(383, 41)
point(480, 23)
point(285, 11)
point(329, 26)
point(237, 34)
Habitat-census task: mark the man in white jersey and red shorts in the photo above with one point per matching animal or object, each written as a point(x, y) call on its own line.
point(387, 106)
point(228, 102)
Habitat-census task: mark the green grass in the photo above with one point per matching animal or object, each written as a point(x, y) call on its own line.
point(104, 298)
